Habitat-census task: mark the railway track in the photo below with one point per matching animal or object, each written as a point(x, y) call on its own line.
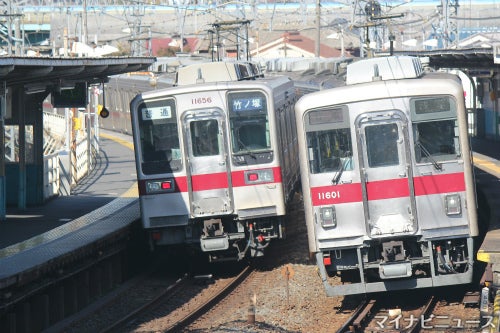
point(373, 315)
point(184, 316)
point(158, 302)
point(445, 310)
point(141, 310)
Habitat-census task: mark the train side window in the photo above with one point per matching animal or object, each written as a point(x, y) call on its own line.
point(436, 140)
point(330, 150)
point(382, 145)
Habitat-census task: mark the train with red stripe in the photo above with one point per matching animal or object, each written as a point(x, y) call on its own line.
point(216, 159)
point(120, 90)
point(387, 179)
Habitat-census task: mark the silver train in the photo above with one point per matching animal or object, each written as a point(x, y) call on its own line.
point(216, 159)
point(387, 179)
point(121, 89)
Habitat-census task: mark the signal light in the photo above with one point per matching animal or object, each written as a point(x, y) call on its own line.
point(166, 185)
point(104, 113)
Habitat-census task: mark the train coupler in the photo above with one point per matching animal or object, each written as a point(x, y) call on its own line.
point(395, 264)
point(213, 238)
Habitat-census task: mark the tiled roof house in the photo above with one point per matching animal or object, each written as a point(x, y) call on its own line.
point(292, 45)
point(268, 44)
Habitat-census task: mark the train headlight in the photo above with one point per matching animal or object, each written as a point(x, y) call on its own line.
point(328, 217)
point(158, 186)
point(452, 204)
point(259, 176)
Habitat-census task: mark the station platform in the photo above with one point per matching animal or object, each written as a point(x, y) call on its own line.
point(487, 175)
point(114, 176)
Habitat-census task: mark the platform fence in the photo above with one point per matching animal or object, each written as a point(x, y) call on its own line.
point(65, 166)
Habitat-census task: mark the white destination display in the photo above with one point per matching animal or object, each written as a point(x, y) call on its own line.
point(161, 112)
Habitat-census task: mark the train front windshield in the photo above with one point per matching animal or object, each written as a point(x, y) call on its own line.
point(158, 130)
point(329, 140)
point(435, 129)
point(437, 139)
point(249, 122)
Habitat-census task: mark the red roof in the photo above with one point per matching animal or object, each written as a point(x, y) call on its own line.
point(162, 43)
point(309, 45)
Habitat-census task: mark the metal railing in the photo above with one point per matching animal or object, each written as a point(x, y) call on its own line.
point(65, 166)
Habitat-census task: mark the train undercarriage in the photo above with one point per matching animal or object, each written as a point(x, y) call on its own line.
point(223, 238)
point(398, 264)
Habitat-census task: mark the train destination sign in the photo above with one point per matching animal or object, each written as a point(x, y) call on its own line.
point(247, 104)
point(154, 113)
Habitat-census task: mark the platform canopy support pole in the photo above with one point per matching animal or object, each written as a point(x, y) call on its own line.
point(21, 204)
point(3, 198)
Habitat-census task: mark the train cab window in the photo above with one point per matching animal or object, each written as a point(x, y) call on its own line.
point(436, 141)
point(435, 129)
point(252, 135)
point(159, 138)
point(382, 145)
point(249, 122)
point(330, 150)
point(205, 138)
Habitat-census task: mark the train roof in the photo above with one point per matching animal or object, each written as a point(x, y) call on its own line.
point(217, 71)
point(384, 68)
point(428, 83)
point(276, 83)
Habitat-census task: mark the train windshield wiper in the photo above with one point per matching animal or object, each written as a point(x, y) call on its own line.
point(246, 150)
point(437, 166)
point(343, 165)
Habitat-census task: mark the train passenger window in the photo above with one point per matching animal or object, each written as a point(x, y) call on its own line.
point(436, 140)
point(205, 138)
point(382, 145)
point(330, 150)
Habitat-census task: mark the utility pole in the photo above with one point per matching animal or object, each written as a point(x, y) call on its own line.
point(318, 28)
point(448, 27)
point(9, 17)
point(230, 29)
point(85, 29)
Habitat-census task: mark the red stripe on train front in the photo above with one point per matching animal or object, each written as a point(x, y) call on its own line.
point(214, 181)
point(238, 177)
point(453, 182)
point(387, 189)
point(338, 194)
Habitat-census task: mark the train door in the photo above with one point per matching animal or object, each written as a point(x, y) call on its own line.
point(386, 174)
point(208, 173)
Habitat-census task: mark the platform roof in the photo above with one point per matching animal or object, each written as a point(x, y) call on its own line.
point(47, 71)
point(466, 59)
